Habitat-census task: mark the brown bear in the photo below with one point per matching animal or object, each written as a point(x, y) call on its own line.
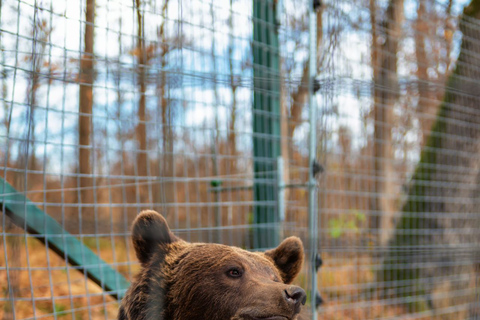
point(193, 281)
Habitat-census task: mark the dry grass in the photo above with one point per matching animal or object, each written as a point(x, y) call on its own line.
point(348, 292)
point(62, 291)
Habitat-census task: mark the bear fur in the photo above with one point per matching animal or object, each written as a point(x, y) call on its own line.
point(192, 281)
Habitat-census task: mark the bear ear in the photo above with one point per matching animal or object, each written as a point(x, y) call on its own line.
point(288, 257)
point(150, 229)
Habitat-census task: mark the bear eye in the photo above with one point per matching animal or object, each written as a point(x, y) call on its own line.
point(234, 273)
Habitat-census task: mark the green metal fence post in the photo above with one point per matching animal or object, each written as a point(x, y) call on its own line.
point(266, 122)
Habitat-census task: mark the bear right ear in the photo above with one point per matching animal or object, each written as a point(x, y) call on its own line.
point(288, 257)
point(150, 229)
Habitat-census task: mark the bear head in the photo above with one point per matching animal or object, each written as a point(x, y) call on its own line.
point(192, 281)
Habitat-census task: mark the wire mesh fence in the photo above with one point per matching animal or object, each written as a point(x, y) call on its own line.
point(399, 196)
point(110, 107)
point(201, 110)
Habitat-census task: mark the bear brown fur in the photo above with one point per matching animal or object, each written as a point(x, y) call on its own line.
point(192, 281)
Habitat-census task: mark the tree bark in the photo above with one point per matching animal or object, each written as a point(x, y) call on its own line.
point(167, 166)
point(232, 139)
point(384, 61)
point(425, 98)
point(300, 96)
point(141, 131)
point(442, 197)
point(85, 106)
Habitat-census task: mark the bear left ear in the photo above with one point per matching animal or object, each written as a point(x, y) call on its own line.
point(288, 257)
point(150, 231)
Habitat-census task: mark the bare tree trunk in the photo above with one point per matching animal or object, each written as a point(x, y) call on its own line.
point(167, 136)
point(5, 105)
point(443, 194)
point(426, 105)
point(32, 101)
point(375, 61)
point(13, 247)
point(85, 106)
point(40, 34)
point(449, 30)
point(384, 60)
point(140, 131)
point(232, 145)
point(300, 97)
point(291, 117)
point(215, 143)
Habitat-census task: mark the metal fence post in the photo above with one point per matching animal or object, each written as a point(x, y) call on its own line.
point(266, 122)
point(312, 187)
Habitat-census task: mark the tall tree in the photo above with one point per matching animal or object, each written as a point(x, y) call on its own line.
point(234, 84)
point(300, 96)
point(167, 166)
point(430, 54)
point(4, 94)
point(425, 97)
point(384, 63)
point(40, 34)
point(141, 131)
point(216, 136)
point(444, 190)
point(86, 104)
point(291, 113)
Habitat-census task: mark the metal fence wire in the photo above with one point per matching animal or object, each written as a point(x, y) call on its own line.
point(214, 114)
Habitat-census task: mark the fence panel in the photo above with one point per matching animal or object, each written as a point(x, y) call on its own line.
point(111, 107)
point(202, 110)
point(399, 137)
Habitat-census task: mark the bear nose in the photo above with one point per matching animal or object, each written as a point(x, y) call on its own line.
point(295, 295)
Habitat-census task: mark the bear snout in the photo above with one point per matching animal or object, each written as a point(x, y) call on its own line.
point(295, 296)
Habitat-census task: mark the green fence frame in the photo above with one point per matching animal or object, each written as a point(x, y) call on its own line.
point(266, 122)
point(28, 216)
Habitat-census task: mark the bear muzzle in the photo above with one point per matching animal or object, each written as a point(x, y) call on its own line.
point(295, 297)
point(287, 308)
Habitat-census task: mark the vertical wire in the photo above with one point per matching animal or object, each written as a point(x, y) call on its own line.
point(181, 67)
point(156, 118)
point(229, 168)
point(122, 148)
point(62, 164)
point(196, 164)
point(5, 171)
point(135, 39)
point(148, 179)
point(79, 175)
point(94, 169)
point(163, 154)
point(27, 141)
point(171, 127)
point(45, 143)
point(215, 135)
point(182, 100)
point(108, 147)
point(312, 186)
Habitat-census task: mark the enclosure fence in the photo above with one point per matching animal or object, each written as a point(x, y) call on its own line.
point(352, 124)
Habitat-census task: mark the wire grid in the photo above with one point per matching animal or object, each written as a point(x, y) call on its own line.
point(368, 158)
point(399, 143)
point(170, 85)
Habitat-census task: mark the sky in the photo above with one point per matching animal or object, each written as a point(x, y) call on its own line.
point(198, 105)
